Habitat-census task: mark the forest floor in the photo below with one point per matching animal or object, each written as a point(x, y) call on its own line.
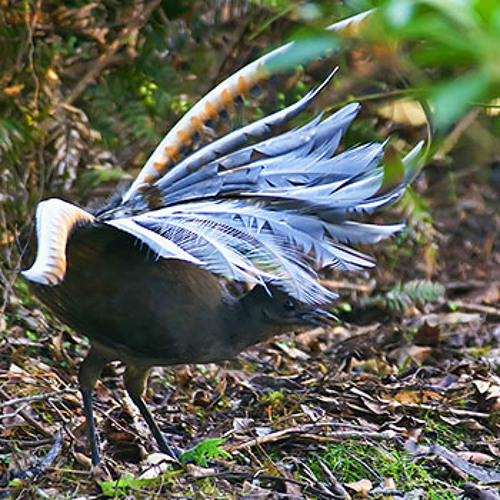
point(401, 399)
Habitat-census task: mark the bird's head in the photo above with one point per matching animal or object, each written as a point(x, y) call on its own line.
point(275, 307)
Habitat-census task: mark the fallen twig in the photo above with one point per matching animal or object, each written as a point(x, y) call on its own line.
point(491, 312)
point(35, 397)
point(337, 487)
point(454, 462)
point(345, 285)
point(30, 419)
point(453, 411)
point(303, 431)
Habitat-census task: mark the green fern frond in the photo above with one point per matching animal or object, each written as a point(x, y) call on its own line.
point(405, 295)
point(209, 449)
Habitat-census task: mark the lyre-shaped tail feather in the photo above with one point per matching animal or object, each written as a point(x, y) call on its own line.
point(170, 150)
point(204, 159)
point(55, 219)
point(273, 163)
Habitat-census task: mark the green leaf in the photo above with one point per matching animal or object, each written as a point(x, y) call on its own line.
point(453, 98)
point(302, 51)
point(400, 12)
point(206, 450)
point(125, 485)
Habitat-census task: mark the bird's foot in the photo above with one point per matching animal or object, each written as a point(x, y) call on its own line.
point(101, 473)
point(172, 451)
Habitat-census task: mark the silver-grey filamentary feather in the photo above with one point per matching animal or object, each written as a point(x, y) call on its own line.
point(275, 211)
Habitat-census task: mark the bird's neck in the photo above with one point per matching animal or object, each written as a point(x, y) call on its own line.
point(245, 321)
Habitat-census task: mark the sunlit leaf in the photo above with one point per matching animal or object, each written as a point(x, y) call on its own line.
point(305, 50)
point(399, 12)
point(453, 98)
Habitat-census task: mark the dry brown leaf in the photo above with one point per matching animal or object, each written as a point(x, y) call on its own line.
point(494, 391)
point(405, 111)
point(155, 465)
point(252, 490)
point(16, 332)
point(482, 386)
point(183, 375)
point(15, 371)
point(309, 337)
point(480, 493)
point(494, 450)
point(363, 486)
point(241, 423)
point(419, 353)
point(486, 295)
point(475, 457)
point(375, 407)
point(428, 335)
point(468, 423)
point(200, 472)
point(454, 462)
point(13, 90)
point(453, 318)
point(408, 396)
point(82, 459)
point(292, 352)
point(314, 414)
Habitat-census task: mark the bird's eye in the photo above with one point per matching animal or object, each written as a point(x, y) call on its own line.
point(289, 305)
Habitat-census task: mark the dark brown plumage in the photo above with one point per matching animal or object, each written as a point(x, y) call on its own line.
point(148, 312)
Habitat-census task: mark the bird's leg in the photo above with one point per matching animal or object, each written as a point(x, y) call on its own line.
point(90, 370)
point(135, 383)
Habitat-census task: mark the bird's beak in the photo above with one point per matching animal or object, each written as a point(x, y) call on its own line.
point(318, 317)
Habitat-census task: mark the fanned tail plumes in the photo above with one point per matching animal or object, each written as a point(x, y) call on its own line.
point(179, 139)
point(275, 211)
point(256, 205)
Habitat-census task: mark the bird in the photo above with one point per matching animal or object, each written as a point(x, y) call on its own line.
point(146, 276)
